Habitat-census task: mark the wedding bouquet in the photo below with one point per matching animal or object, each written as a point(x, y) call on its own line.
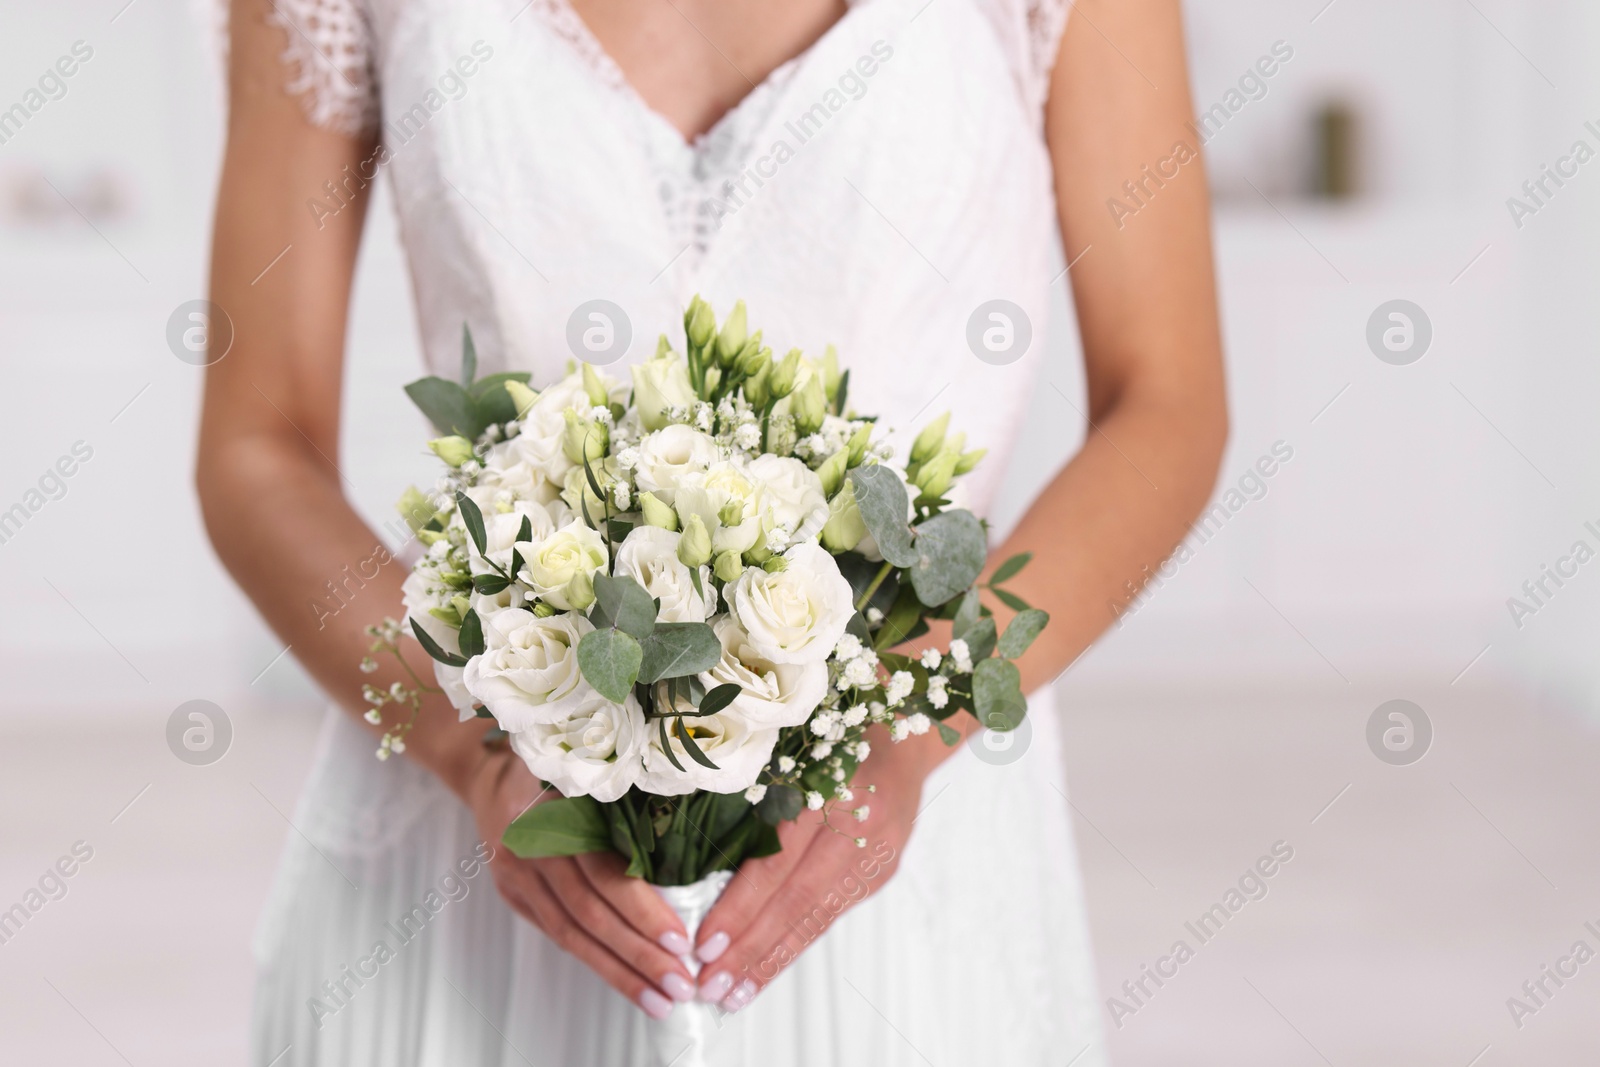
point(678, 595)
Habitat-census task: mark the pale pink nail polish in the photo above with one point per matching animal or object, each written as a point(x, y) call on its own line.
point(677, 986)
point(715, 988)
point(740, 997)
point(654, 1004)
point(676, 943)
point(715, 946)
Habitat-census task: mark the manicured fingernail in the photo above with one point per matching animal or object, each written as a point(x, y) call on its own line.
point(740, 997)
point(716, 987)
point(678, 986)
point(676, 943)
point(654, 1004)
point(715, 946)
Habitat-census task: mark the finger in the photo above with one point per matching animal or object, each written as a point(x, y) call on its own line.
point(599, 920)
point(752, 888)
point(640, 906)
point(821, 888)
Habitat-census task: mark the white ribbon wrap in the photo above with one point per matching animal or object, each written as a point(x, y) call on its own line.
point(680, 1039)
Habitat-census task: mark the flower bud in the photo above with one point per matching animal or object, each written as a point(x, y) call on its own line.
point(522, 397)
point(544, 611)
point(584, 438)
point(657, 513)
point(414, 508)
point(699, 323)
point(753, 359)
point(453, 450)
point(930, 440)
point(831, 377)
point(810, 406)
point(858, 443)
point(832, 471)
point(785, 374)
point(732, 337)
point(732, 513)
point(594, 386)
point(844, 528)
point(694, 546)
point(713, 378)
point(580, 591)
point(935, 476)
point(728, 566)
point(757, 388)
point(969, 460)
point(775, 565)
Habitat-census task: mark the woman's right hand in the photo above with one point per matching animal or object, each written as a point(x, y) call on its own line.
point(618, 925)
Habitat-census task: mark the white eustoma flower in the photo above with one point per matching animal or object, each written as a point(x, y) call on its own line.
point(668, 455)
point(501, 528)
point(797, 614)
point(528, 672)
point(595, 750)
point(791, 491)
point(771, 694)
point(728, 739)
point(728, 500)
point(422, 590)
point(660, 385)
point(559, 566)
point(650, 557)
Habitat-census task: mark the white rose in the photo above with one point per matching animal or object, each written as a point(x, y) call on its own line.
point(532, 464)
point(710, 494)
point(650, 557)
point(501, 528)
point(570, 555)
point(791, 491)
point(772, 694)
point(528, 671)
point(728, 739)
point(659, 384)
point(594, 750)
point(795, 615)
point(667, 455)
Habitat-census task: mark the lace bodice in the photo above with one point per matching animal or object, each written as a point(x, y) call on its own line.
point(873, 192)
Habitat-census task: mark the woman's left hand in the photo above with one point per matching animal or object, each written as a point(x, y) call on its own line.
point(777, 905)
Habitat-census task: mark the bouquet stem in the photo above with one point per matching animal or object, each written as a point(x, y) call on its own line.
point(681, 1038)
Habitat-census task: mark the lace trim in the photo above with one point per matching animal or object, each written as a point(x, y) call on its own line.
point(330, 50)
point(1046, 21)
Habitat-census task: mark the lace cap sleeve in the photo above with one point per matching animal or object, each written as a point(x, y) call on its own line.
point(1030, 31)
point(331, 63)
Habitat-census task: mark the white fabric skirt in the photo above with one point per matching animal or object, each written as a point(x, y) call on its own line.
point(385, 943)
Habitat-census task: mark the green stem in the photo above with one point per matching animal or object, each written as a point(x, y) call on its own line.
point(877, 580)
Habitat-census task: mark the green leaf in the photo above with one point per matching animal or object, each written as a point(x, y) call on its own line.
point(447, 405)
point(431, 647)
point(610, 660)
point(1021, 632)
point(666, 746)
point(950, 549)
point(676, 649)
point(1011, 600)
point(997, 694)
point(980, 638)
point(690, 745)
point(469, 356)
point(622, 603)
point(782, 803)
point(1010, 567)
point(901, 620)
point(490, 584)
point(948, 736)
point(843, 394)
point(489, 394)
point(473, 518)
point(566, 827)
point(881, 497)
point(472, 643)
point(482, 712)
point(719, 698)
point(967, 613)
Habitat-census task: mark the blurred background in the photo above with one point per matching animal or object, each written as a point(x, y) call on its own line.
point(1420, 482)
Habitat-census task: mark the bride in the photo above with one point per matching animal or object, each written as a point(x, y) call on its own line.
point(890, 176)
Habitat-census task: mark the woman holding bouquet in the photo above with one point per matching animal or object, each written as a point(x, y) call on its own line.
point(890, 176)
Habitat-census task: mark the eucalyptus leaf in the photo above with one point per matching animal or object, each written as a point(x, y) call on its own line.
point(950, 552)
point(676, 649)
point(881, 498)
point(980, 638)
point(1021, 631)
point(431, 647)
point(1010, 567)
point(997, 694)
point(472, 643)
point(447, 405)
point(473, 518)
point(566, 827)
point(610, 660)
point(622, 603)
point(966, 614)
point(948, 735)
point(781, 803)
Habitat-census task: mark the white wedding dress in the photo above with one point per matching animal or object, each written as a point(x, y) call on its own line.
point(529, 179)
